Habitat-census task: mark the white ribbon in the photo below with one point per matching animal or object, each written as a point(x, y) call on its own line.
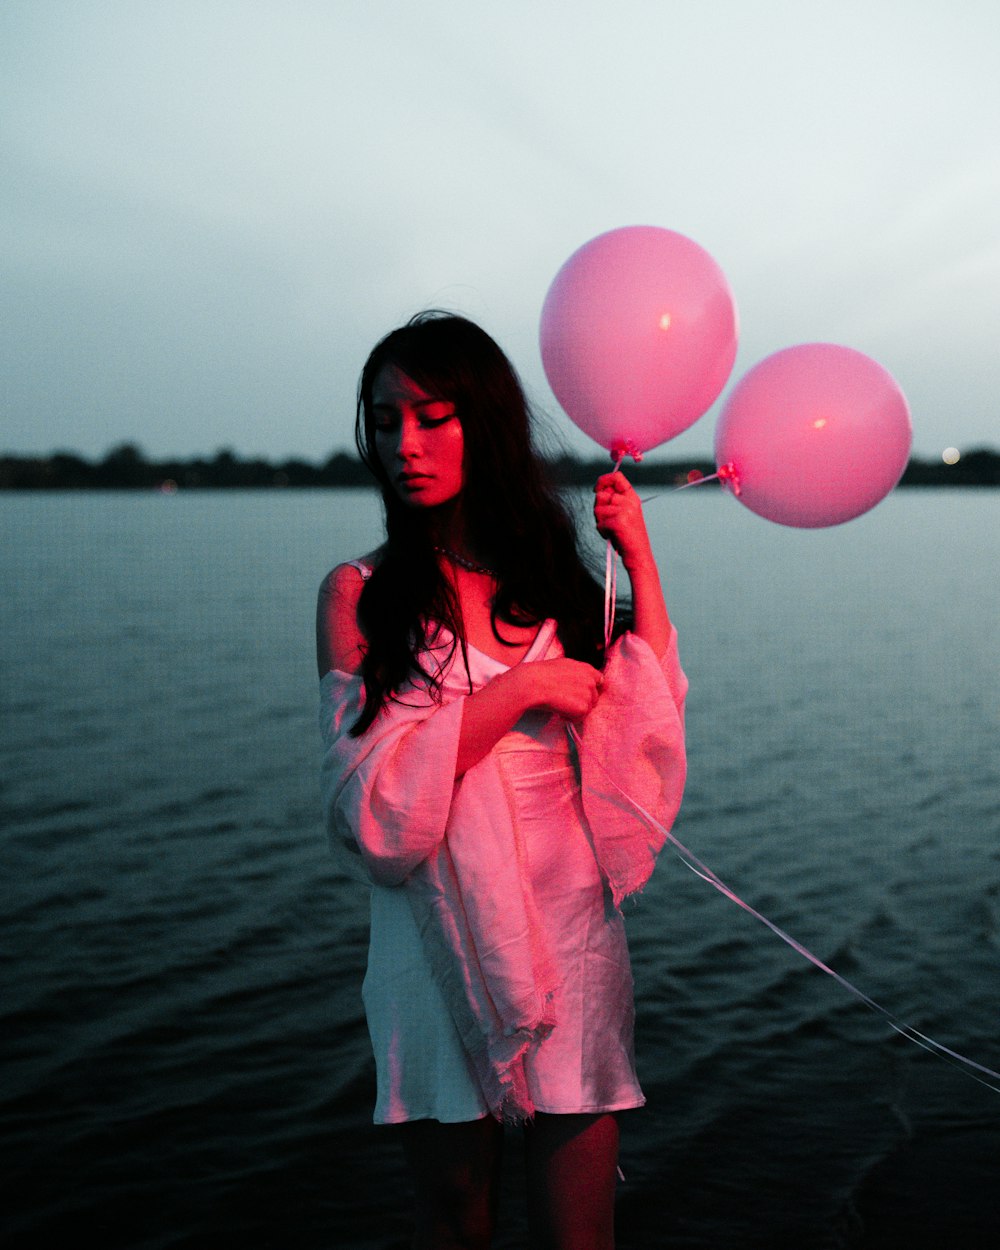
point(611, 573)
point(702, 870)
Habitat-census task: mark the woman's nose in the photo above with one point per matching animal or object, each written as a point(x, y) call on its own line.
point(409, 438)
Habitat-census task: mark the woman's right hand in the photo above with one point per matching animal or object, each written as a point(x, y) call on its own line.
point(569, 688)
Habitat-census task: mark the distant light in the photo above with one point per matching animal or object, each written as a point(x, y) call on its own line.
point(819, 423)
point(665, 321)
point(951, 455)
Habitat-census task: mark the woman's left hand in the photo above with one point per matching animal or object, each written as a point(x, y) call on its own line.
point(618, 513)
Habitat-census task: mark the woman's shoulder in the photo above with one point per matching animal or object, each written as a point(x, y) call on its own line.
point(339, 640)
point(349, 577)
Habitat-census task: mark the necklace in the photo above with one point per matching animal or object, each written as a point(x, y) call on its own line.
point(465, 562)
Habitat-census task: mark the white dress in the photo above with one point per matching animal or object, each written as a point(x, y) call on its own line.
point(584, 1061)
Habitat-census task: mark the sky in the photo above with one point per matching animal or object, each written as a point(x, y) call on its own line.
point(210, 211)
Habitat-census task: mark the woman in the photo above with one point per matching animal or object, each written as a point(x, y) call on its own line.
point(453, 660)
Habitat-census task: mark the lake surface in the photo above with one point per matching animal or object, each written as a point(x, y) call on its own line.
point(185, 1061)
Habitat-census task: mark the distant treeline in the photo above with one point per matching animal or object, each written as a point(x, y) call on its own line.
point(126, 468)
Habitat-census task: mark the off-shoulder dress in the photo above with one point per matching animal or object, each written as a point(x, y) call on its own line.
point(537, 960)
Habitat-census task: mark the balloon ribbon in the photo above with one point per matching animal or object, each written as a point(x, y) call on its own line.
point(727, 475)
point(624, 447)
point(702, 870)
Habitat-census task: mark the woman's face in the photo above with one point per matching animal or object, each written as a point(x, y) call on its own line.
point(418, 439)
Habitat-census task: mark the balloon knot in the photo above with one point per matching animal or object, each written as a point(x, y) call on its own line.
point(729, 477)
point(625, 447)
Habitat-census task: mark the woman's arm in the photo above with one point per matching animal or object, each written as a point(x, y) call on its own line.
point(618, 513)
point(569, 688)
point(566, 687)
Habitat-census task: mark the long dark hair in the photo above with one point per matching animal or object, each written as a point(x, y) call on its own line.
point(513, 515)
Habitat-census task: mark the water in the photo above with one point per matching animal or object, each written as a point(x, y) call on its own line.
point(185, 1062)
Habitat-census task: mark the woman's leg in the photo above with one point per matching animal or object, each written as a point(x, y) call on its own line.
point(455, 1170)
point(572, 1163)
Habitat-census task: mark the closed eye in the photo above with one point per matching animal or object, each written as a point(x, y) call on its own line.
point(430, 415)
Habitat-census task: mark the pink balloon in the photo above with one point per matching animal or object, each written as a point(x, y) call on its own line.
point(638, 335)
point(815, 435)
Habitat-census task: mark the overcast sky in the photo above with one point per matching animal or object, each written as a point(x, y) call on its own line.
point(210, 210)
